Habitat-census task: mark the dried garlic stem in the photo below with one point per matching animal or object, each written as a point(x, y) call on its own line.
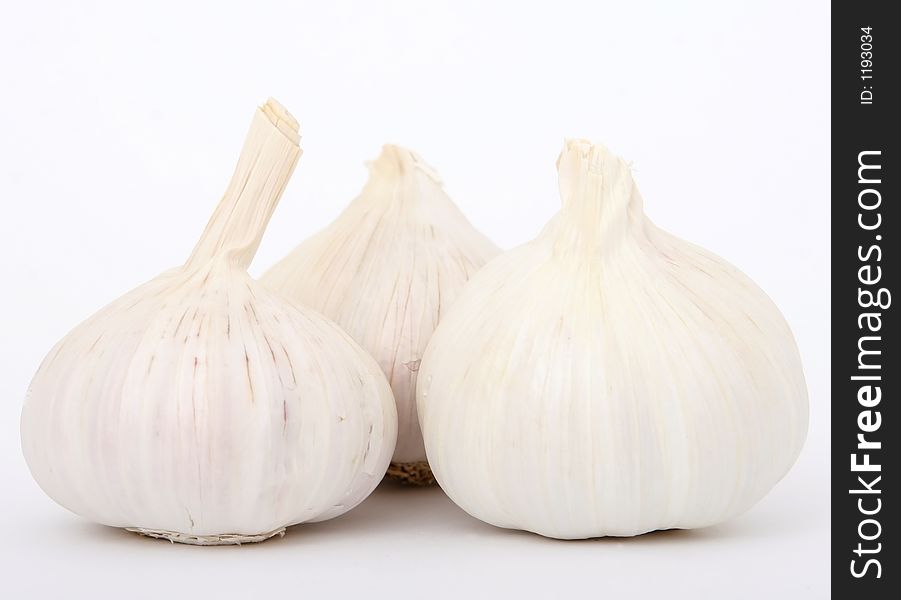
point(267, 161)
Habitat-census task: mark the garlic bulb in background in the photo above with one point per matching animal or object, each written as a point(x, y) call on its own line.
point(386, 270)
point(202, 408)
point(608, 378)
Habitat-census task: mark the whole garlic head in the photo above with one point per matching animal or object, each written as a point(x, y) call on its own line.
point(608, 378)
point(202, 408)
point(386, 270)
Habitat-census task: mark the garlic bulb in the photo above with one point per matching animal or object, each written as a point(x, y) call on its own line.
point(608, 378)
point(386, 270)
point(202, 408)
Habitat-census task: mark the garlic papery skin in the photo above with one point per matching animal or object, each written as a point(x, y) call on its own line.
point(386, 270)
point(203, 408)
point(608, 378)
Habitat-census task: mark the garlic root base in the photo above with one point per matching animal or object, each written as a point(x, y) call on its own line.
point(412, 473)
point(224, 539)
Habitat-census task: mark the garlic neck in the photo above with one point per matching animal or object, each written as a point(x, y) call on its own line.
point(267, 160)
point(599, 197)
point(399, 179)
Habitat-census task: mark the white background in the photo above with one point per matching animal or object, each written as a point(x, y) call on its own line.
point(119, 128)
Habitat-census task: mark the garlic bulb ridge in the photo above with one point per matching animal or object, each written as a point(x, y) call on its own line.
point(608, 378)
point(203, 408)
point(386, 270)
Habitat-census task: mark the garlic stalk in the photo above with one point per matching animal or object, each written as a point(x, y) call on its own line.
point(386, 270)
point(608, 378)
point(202, 408)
